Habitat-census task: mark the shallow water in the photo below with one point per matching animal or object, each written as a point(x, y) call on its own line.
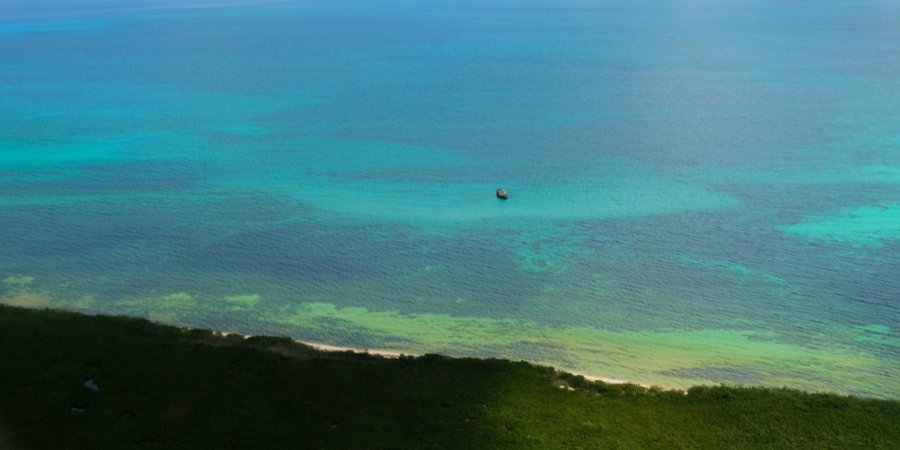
point(700, 192)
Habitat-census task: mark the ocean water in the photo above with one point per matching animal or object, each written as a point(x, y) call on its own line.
point(700, 191)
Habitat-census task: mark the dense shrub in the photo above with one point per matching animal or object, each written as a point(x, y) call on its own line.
point(166, 387)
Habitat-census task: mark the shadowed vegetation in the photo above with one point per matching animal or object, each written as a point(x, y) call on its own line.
point(166, 387)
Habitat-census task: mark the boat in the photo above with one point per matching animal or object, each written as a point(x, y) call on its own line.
point(502, 194)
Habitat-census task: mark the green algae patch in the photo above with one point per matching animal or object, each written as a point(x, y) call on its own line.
point(179, 298)
point(35, 299)
point(18, 281)
point(171, 308)
point(877, 334)
point(866, 226)
point(643, 356)
point(244, 300)
point(27, 299)
point(875, 328)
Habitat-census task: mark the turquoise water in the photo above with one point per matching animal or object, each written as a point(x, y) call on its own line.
point(700, 192)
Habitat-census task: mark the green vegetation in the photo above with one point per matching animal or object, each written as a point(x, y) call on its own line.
point(166, 387)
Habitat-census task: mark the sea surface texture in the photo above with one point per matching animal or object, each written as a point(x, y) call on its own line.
point(700, 191)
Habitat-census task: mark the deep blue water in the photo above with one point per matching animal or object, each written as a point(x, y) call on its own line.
point(700, 191)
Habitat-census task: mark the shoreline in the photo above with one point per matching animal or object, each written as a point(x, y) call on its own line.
point(396, 354)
